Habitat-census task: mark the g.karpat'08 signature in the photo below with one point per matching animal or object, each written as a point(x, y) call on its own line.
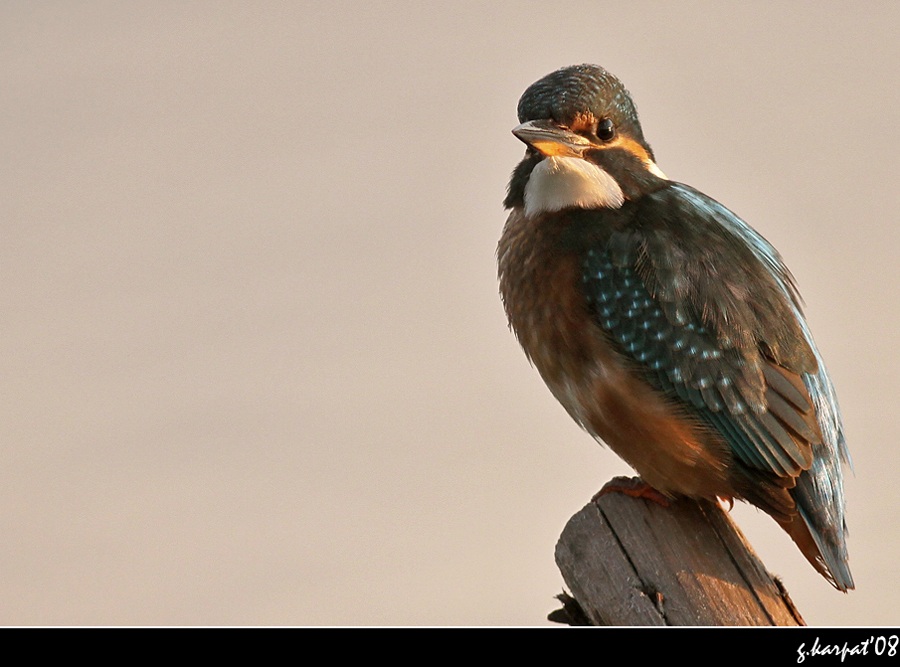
point(876, 644)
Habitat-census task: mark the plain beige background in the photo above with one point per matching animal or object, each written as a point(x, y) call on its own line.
point(254, 365)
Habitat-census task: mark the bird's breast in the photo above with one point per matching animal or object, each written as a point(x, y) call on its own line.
point(540, 277)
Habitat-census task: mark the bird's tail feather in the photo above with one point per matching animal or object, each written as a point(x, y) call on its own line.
point(822, 542)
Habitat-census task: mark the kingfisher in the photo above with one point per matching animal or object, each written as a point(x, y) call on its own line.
point(666, 326)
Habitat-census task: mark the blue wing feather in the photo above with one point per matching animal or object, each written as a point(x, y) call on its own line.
point(819, 492)
point(715, 321)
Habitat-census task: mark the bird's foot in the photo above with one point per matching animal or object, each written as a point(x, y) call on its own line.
point(634, 487)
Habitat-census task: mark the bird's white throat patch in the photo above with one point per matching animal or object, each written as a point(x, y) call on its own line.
point(562, 182)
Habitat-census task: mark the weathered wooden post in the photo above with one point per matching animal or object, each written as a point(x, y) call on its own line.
point(629, 561)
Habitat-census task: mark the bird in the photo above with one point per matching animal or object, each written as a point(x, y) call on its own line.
point(666, 326)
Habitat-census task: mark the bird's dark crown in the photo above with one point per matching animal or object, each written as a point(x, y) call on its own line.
point(579, 90)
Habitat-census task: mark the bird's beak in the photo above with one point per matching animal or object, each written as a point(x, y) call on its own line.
point(551, 139)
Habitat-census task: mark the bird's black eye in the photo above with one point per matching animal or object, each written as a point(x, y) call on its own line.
point(605, 130)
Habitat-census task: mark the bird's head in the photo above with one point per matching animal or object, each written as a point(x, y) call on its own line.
point(585, 147)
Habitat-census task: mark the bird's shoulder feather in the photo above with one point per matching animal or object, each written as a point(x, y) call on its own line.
point(675, 282)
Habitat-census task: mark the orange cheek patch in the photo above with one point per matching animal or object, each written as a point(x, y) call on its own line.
point(554, 148)
point(632, 147)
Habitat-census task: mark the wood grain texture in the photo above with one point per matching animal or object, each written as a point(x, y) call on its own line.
point(628, 561)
